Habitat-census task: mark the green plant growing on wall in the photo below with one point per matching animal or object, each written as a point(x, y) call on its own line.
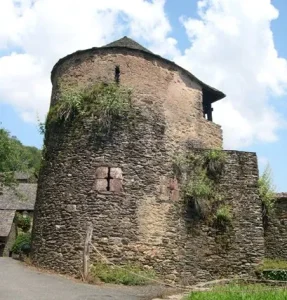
point(68, 106)
point(104, 103)
point(223, 215)
point(266, 193)
point(198, 173)
point(214, 163)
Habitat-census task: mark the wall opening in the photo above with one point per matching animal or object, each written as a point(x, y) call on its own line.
point(207, 108)
point(117, 74)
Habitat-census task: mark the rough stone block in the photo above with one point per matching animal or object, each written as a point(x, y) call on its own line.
point(116, 185)
point(116, 173)
point(101, 185)
point(102, 172)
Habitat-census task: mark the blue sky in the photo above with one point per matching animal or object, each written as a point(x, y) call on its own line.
point(224, 44)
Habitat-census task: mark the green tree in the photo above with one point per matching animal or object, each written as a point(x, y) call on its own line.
point(16, 157)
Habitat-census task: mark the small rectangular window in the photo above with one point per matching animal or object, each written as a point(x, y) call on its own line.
point(109, 180)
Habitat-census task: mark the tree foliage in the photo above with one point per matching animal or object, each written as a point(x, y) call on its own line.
point(14, 156)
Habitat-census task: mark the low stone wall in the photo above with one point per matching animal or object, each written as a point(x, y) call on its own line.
point(276, 230)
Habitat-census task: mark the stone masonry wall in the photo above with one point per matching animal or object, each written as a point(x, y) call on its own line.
point(154, 83)
point(276, 230)
point(198, 252)
point(147, 223)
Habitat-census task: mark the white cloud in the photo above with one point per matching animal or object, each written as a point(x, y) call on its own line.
point(232, 48)
point(46, 30)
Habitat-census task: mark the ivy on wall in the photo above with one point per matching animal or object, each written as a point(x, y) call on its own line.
point(199, 174)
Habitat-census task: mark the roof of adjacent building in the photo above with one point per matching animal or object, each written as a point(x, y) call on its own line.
point(20, 197)
point(6, 220)
point(130, 44)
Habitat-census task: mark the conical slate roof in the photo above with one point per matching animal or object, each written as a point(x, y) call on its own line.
point(131, 45)
point(126, 42)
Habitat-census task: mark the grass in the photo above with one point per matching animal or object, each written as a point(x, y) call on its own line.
point(241, 292)
point(273, 264)
point(121, 275)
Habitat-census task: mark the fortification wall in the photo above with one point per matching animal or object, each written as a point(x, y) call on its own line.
point(276, 230)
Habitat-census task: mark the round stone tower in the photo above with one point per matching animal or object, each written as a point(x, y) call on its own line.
point(123, 184)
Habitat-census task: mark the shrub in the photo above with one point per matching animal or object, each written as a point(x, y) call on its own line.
point(280, 275)
point(121, 275)
point(22, 242)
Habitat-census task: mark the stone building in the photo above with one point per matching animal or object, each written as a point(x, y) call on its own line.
point(124, 184)
point(19, 199)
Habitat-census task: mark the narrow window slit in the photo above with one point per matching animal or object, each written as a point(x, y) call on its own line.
point(117, 74)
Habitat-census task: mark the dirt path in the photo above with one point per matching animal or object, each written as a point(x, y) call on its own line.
point(20, 282)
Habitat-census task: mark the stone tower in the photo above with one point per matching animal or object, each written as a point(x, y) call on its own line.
point(125, 185)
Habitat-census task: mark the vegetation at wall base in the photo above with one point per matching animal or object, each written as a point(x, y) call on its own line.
point(241, 292)
point(272, 269)
point(280, 275)
point(22, 242)
point(125, 274)
point(273, 264)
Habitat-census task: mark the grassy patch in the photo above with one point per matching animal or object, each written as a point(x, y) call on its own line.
point(104, 103)
point(241, 292)
point(126, 275)
point(274, 264)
